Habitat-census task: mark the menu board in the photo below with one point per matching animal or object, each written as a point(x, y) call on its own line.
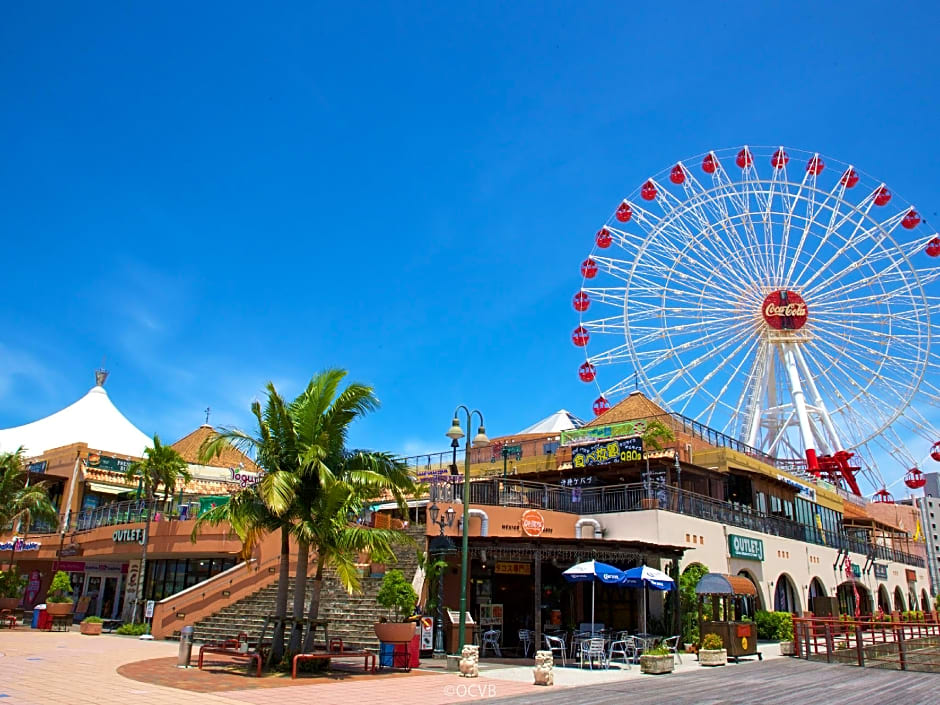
point(491, 615)
point(453, 617)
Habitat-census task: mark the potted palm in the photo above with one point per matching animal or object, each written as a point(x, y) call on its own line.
point(657, 660)
point(91, 626)
point(58, 602)
point(399, 598)
point(11, 588)
point(713, 651)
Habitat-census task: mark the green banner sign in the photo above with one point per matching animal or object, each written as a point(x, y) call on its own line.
point(745, 547)
point(627, 428)
point(106, 462)
point(207, 503)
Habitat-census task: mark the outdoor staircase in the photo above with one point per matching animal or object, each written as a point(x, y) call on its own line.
point(350, 617)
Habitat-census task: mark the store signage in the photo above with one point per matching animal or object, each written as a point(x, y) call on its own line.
point(510, 568)
point(856, 570)
point(533, 523)
point(784, 310)
point(18, 545)
point(246, 479)
point(911, 575)
point(577, 481)
point(881, 571)
point(107, 462)
point(607, 452)
point(148, 610)
point(38, 467)
point(32, 588)
point(72, 566)
point(804, 491)
point(628, 428)
point(73, 549)
point(745, 547)
point(128, 536)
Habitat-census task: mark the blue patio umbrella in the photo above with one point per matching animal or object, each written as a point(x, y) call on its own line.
point(644, 577)
point(593, 571)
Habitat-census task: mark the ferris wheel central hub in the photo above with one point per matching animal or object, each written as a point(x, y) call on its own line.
point(784, 310)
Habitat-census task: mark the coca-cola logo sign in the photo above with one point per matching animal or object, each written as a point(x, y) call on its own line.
point(784, 310)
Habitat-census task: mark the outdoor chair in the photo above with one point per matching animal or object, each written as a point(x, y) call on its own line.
point(576, 639)
point(525, 641)
point(672, 643)
point(593, 649)
point(491, 639)
point(556, 645)
point(624, 649)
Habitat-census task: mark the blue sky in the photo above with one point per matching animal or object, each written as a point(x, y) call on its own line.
point(213, 195)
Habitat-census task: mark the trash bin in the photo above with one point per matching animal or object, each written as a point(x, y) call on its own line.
point(37, 613)
point(186, 647)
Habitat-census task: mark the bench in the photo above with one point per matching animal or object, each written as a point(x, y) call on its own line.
point(232, 653)
point(336, 650)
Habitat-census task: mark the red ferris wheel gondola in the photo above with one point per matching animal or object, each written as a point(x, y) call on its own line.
point(603, 238)
point(601, 405)
point(915, 479)
point(882, 496)
point(933, 247)
point(581, 301)
point(935, 451)
point(587, 372)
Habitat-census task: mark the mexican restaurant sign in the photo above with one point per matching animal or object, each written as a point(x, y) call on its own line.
point(511, 568)
point(607, 452)
point(627, 428)
point(745, 547)
point(533, 523)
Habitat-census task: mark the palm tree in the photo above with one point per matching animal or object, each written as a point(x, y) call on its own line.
point(172, 477)
point(20, 501)
point(161, 462)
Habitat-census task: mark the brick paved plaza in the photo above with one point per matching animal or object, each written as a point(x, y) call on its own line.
point(39, 668)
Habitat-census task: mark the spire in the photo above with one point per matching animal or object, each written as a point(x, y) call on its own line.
point(101, 375)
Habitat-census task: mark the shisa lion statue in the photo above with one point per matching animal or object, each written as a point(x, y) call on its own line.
point(470, 661)
point(544, 668)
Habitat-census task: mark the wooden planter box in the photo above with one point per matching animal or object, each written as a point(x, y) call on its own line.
point(657, 664)
point(90, 628)
point(713, 657)
point(60, 609)
point(787, 648)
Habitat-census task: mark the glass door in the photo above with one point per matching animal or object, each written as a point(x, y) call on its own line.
point(93, 593)
point(109, 597)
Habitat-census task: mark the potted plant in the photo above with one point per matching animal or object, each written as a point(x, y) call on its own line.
point(399, 598)
point(657, 660)
point(11, 588)
point(713, 651)
point(785, 634)
point(58, 602)
point(91, 626)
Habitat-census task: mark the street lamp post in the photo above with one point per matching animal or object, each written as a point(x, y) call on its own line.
point(444, 546)
point(480, 441)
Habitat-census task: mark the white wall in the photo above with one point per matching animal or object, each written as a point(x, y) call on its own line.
point(706, 542)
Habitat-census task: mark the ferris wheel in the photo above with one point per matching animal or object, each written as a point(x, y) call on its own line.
point(780, 297)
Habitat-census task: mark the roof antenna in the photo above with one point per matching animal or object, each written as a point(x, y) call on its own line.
point(101, 374)
point(208, 409)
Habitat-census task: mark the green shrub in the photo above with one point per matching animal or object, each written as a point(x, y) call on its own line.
point(712, 642)
point(132, 629)
point(397, 595)
point(774, 626)
point(658, 650)
point(688, 600)
point(60, 588)
point(11, 583)
point(92, 620)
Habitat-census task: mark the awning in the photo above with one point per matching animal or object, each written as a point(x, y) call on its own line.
point(107, 489)
point(412, 503)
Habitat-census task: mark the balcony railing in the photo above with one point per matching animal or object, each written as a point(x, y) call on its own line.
point(636, 497)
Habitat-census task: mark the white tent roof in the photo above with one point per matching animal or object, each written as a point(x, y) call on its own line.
point(93, 419)
point(561, 420)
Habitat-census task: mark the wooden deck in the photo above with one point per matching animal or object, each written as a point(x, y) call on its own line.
point(772, 682)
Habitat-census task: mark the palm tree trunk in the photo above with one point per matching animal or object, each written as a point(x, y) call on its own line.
point(314, 612)
point(300, 592)
point(280, 606)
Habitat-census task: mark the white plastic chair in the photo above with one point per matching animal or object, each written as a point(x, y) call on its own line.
point(593, 649)
point(556, 645)
point(491, 639)
point(624, 649)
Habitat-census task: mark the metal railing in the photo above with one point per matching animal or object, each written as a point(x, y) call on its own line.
point(637, 497)
point(867, 642)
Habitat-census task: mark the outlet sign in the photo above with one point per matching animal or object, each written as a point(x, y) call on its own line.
point(128, 536)
point(745, 547)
